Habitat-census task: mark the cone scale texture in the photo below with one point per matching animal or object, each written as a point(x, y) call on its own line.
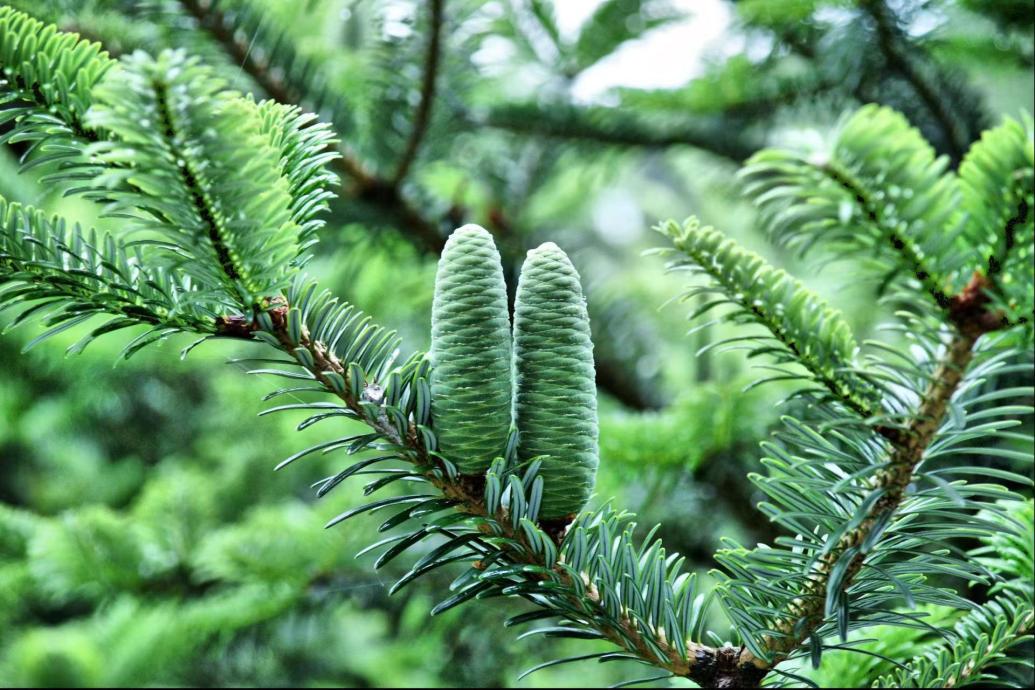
point(471, 352)
point(555, 405)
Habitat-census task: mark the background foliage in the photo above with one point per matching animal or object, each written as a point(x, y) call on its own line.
point(143, 535)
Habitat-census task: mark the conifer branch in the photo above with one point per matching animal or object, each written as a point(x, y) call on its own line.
point(890, 42)
point(839, 566)
point(902, 245)
point(202, 203)
point(213, 21)
point(613, 126)
point(851, 197)
point(365, 184)
point(985, 638)
point(708, 666)
point(67, 275)
point(427, 91)
point(888, 486)
point(814, 335)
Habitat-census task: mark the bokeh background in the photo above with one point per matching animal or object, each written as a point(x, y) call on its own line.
point(144, 537)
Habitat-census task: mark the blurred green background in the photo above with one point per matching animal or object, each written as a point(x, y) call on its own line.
point(144, 537)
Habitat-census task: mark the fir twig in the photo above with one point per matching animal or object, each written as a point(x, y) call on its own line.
point(364, 184)
point(901, 244)
point(890, 484)
point(703, 664)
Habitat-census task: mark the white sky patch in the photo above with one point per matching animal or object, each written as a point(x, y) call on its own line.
point(618, 217)
point(665, 58)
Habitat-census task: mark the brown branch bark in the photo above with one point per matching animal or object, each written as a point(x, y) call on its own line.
point(559, 122)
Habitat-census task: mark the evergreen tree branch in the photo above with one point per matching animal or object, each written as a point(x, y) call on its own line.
point(67, 275)
point(746, 282)
point(613, 126)
point(891, 44)
point(855, 545)
point(282, 326)
point(985, 638)
point(215, 178)
point(841, 197)
point(904, 246)
point(427, 91)
point(365, 184)
point(46, 81)
point(814, 335)
point(996, 177)
point(385, 194)
point(202, 204)
point(212, 20)
point(807, 612)
point(866, 61)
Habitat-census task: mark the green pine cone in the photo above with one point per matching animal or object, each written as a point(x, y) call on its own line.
point(555, 403)
point(470, 352)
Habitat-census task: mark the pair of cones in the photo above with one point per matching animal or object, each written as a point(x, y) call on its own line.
point(538, 376)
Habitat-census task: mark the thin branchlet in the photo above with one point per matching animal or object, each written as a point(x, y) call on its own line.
point(902, 245)
point(997, 260)
point(364, 184)
point(838, 388)
point(429, 80)
point(202, 204)
point(898, 59)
